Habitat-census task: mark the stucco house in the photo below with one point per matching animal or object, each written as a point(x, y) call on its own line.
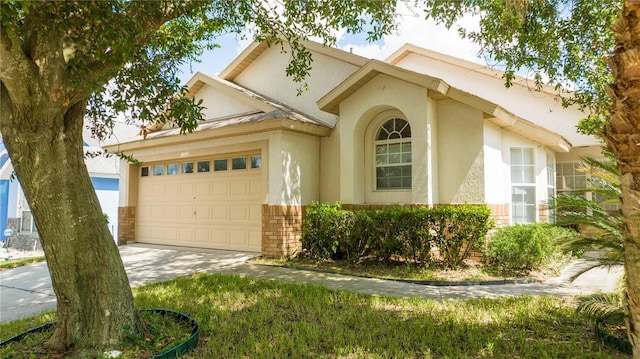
point(418, 128)
point(104, 173)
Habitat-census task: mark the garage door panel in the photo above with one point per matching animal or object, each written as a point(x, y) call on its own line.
point(186, 235)
point(255, 188)
point(238, 238)
point(220, 212)
point(203, 190)
point(220, 188)
point(255, 214)
point(171, 234)
point(239, 188)
point(172, 191)
point(255, 239)
point(186, 190)
point(186, 211)
point(220, 237)
point(157, 212)
point(203, 213)
point(202, 236)
point(172, 211)
point(219, 209)
point(238, 213)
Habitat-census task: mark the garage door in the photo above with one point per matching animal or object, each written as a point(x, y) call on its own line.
point(202, 202)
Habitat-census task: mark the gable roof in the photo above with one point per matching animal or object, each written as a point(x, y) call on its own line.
point(253, 51)
point(407, 49)
point(439, 89)
point(261, 102)
point(269, 115)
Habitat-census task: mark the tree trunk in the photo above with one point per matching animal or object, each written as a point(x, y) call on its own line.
point(622, 133)
point(95, 304)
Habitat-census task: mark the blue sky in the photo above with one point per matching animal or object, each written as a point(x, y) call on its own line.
point(412, 29)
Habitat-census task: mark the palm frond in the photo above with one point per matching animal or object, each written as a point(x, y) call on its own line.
point(605, 307)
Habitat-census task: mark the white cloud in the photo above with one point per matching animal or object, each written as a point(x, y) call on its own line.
point(414, 29)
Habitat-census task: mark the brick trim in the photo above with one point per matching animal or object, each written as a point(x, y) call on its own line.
point(126, 225)
point(281, 230)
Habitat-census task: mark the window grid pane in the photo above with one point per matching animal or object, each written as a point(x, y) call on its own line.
point(158, 170)
point(220, 165)
point(172, 169)
point(203, 166)
point(187, 167)
point(239, 163)
point(523, 189)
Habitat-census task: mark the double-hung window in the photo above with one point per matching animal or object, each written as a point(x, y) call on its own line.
point(393, 155)
point(523, 185)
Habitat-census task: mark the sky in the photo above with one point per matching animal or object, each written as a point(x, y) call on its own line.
point(412, 29)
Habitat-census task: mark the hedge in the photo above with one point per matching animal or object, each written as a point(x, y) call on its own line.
point(444, 235)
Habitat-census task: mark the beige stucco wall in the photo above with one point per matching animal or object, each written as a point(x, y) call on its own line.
point(349, 151)
point(295, 169)
point(540, 108)
point(496, 161)
point(218, 104)
point(266, 75)
point(460, 153)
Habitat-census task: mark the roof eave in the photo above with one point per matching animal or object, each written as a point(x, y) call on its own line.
point(160, 139)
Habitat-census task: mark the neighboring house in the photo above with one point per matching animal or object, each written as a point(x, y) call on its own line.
point(104, 173)
point(418, 128)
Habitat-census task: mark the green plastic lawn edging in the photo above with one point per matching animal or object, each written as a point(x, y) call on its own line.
point(172, 353)
point(611, 340)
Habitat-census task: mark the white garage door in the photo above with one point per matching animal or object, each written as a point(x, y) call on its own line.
point(202, 202)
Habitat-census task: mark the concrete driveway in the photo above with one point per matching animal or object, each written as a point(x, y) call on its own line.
point(27, 290)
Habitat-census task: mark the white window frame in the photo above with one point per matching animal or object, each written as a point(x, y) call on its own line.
point(404, 155)
point(520, 209)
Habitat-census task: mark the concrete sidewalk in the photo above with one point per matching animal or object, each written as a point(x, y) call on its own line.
point(27, 290)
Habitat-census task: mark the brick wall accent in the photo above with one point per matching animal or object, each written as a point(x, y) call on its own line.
point(500, 214)
point(281, 230)
point(126, 225)
point(543, 213)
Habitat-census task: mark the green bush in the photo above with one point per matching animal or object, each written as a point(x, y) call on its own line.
point(528, 246)
point(323, 229)
point(459, 231)
point(359, 241)
point(329, 232)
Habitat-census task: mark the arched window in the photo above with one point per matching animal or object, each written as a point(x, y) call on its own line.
point(393, 155)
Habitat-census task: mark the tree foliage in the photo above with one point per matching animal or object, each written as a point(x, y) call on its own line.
point(66, 63)
point(561, 43)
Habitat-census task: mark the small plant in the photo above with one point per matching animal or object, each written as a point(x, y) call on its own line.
point(525, 247)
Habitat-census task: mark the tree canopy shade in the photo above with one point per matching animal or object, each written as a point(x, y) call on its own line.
point(593, 48)
point(65, 62)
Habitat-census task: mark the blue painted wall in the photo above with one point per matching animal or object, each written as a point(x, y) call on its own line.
point(104, 184)
point(4, 206)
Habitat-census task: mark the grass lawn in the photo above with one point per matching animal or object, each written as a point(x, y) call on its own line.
point(247, 318)
point(19, 262)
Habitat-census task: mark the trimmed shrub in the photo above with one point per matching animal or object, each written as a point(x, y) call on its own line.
point(360, 239)
point(459, 231)
point(329, 232)
point(323, 229)
point(528, 246)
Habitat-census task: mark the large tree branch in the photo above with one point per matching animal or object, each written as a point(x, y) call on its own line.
point(16, 66)
point(149, 17)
